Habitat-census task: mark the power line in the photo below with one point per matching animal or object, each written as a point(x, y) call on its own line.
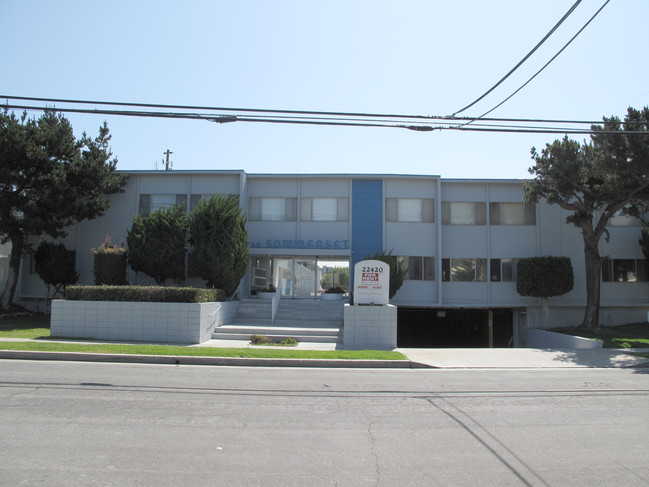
point(416, 125)
point(546, 64)
point(556, 26)
point(223, 118)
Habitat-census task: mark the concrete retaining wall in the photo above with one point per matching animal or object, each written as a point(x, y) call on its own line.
point(142, 322)
point(370, 327)
point(535, 338)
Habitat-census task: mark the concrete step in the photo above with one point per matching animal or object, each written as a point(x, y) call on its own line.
point(299, 323)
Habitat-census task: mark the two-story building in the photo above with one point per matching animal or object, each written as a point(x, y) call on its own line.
point(458, 238)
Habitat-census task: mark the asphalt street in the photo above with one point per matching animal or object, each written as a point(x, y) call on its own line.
point(64, 423)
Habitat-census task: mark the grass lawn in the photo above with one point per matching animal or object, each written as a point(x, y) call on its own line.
point(635, 335)
point(38, 327)
point(35, 326)
point(144, 349)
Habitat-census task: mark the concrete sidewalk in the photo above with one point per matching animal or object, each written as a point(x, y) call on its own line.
point(519, 358)
point(442, 358)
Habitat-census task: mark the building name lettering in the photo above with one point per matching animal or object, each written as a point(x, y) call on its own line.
point(300, 244)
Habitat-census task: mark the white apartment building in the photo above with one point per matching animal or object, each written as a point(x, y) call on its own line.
point(459, 238)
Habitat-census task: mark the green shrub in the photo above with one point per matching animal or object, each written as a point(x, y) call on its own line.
point(219, 241)
point(154, 294)
point(109, 264)
point(55, 266)
point(157, 244)
point(335, 290)
point(260, 340)
point(544, 276)
point(289, 342)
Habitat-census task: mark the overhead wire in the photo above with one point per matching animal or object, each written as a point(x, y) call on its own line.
point(415, 125)
point(556, 26)
point(546, 64)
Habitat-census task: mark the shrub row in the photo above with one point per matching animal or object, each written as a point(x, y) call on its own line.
point(155, 294)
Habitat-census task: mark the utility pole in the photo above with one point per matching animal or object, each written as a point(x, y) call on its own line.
point(168, 165)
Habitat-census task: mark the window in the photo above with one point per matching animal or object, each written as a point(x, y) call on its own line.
point(624, 270)
point(153, 202)
point(503, 270)
point(512, 214)
point(324, 209)
point(410, 210)
point(273, 209)
point(621, 220)
point(464, 270)
point(418, 268)
point(463, 213)
point(195, 198)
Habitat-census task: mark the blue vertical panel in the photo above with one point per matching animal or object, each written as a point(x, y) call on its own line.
point(367, 219)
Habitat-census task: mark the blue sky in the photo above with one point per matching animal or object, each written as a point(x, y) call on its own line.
point(428, 57)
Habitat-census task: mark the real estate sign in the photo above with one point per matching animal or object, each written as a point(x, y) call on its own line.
point(371, 282)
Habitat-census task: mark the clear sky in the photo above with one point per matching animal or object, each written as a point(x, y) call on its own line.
point(428, 57)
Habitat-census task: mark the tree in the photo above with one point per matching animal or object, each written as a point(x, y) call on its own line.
point(158, 242)
point(219, 240)
point(397, 273)
point(340, 278)
point(644, 243)
point(49, 180)
point(109, 264)
point(55, 266)
point(594, 181)
point(543, 277)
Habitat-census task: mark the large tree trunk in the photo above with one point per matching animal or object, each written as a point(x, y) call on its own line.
point(7, 298)
point(593, 282)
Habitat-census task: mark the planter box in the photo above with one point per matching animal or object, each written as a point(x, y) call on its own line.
point(142, 322)
point(538, 338)
point(331, 297)
point(265, 295)
point(370, 327)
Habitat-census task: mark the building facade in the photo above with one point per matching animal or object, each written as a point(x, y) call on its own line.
point(459, 239)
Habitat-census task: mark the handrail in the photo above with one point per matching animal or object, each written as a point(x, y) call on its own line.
point(275, 305)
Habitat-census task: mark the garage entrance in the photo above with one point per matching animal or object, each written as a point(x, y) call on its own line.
point(454, 328)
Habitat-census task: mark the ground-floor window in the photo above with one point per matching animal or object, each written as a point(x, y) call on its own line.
point(299, 276)
point(624, 270)
point(462, 269)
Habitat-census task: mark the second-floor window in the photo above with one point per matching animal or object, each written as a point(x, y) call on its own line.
point(272, 209)
point(324, 209)
point(410, 210)
point(418, 268)
point(463, 213)
point(512, 214)
point(153, 202)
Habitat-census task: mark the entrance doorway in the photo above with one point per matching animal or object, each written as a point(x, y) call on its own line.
point(299, 276)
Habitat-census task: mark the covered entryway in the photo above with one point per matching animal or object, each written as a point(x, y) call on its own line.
point(299, 276)
point(454, 328)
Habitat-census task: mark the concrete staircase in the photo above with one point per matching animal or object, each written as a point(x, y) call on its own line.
point(306, 320)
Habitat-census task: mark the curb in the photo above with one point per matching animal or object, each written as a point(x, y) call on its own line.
point(214, 361)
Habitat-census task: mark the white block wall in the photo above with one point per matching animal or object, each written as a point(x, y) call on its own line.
point(370, 327)
point(141, 322)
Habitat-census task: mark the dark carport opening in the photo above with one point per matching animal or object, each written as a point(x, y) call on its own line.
point(454, 328)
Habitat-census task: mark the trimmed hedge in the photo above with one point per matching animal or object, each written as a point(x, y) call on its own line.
point(544, 276)
point(154, 294)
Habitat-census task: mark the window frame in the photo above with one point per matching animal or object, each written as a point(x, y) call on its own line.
point(479, 213)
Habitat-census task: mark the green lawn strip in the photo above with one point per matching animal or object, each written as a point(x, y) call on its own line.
point(635, 335)
point(35, 326)
point(202, 351)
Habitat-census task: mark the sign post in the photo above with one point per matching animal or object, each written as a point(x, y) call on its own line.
point(371, 282)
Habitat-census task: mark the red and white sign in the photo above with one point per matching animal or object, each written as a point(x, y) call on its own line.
point(371, 282)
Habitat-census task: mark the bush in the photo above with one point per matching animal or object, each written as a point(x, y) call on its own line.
point(155, 294)
point(157, 244)
point(544, 276)
point(260, 340)
point(109, 264)
point(289, 342)
point(220, 242)
point(55, 266)
point(335, 290)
